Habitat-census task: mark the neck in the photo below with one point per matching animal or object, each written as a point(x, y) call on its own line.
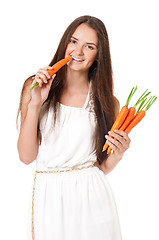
point(77, 81)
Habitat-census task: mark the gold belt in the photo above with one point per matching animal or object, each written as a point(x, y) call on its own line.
point(53, 171)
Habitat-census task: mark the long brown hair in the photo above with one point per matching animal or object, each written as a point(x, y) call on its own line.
point(102, 83)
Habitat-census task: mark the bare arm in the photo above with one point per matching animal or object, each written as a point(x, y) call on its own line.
point(28, 142)
point(109, 164)
point(119, 145)
point(31, 103)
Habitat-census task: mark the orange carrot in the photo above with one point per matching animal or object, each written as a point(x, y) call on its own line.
point(141, 112)
point(139, 116)
point(118, 122)
point(121, 116)
point(56, 67)
point(132, 110)
point(130, 116)
point(131, 113)
point(59, 65)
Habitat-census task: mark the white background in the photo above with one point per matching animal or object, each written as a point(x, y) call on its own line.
point(30, 33)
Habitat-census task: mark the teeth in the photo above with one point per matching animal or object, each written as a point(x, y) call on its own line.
point(77, 59)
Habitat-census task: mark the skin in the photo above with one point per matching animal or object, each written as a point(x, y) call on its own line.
point(122, 142)
point(83, 46)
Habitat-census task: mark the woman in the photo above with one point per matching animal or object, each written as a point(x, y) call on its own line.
point(63, 125)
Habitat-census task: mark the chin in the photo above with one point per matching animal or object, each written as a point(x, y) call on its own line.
point(78, 69)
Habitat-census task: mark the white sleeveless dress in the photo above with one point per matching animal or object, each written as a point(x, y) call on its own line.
point(73, 205)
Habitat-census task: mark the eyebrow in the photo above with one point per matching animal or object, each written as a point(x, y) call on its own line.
point(87, 42)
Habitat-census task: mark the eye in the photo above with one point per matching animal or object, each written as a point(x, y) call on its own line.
point(73, 41)
point(90, 47)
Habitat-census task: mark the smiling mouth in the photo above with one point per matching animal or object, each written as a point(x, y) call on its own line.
point(77, 59)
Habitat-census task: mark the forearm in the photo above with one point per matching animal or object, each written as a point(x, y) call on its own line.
point(110, 163)
point(119, 142)
point(28, 141)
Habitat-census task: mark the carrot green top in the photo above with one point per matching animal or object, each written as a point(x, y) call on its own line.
point(133, 90)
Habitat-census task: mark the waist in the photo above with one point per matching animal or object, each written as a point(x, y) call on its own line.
point(66, 169)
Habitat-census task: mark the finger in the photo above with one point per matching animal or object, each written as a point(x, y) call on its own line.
point(38, 80)
point(113, 147)
point(41, 76)
point(114, 141)
point(121, 133)
point(45, 72)
point(117, 147)
point(51, 80)
point(118, 137)
point(53, 76)
point(125, 136)
point(48, 68)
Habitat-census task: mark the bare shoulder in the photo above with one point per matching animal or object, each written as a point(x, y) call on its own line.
point(25, 97)
point(117, 106)
point(26, 94)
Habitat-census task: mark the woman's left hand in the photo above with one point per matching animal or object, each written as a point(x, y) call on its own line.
point(119, 141)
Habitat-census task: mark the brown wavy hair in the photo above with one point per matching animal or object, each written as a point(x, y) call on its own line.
point(102, 82)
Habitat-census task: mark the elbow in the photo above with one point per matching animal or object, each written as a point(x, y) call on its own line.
point(25, 160)
point(25, 157)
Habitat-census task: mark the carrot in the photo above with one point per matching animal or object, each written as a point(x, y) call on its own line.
point(128, 119)
point(56, 67)
point(131, 113)
point(118, 122)
point(132, 110)
point(121, 116)
point(138, 117)
point(140, 114)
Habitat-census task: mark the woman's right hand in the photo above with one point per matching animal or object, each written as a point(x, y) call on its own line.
point(40, 93)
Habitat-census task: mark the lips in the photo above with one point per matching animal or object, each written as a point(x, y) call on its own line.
point(77, 59)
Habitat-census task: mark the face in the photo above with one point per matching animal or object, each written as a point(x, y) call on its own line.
point(83, 48)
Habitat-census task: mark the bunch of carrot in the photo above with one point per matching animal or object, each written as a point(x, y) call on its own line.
point(56, 67)
point(128, 118)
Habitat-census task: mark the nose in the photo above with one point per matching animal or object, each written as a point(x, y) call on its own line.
point(79, 50)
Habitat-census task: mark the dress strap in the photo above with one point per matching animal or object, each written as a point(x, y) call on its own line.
point(89, 104)
point(88, 96)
